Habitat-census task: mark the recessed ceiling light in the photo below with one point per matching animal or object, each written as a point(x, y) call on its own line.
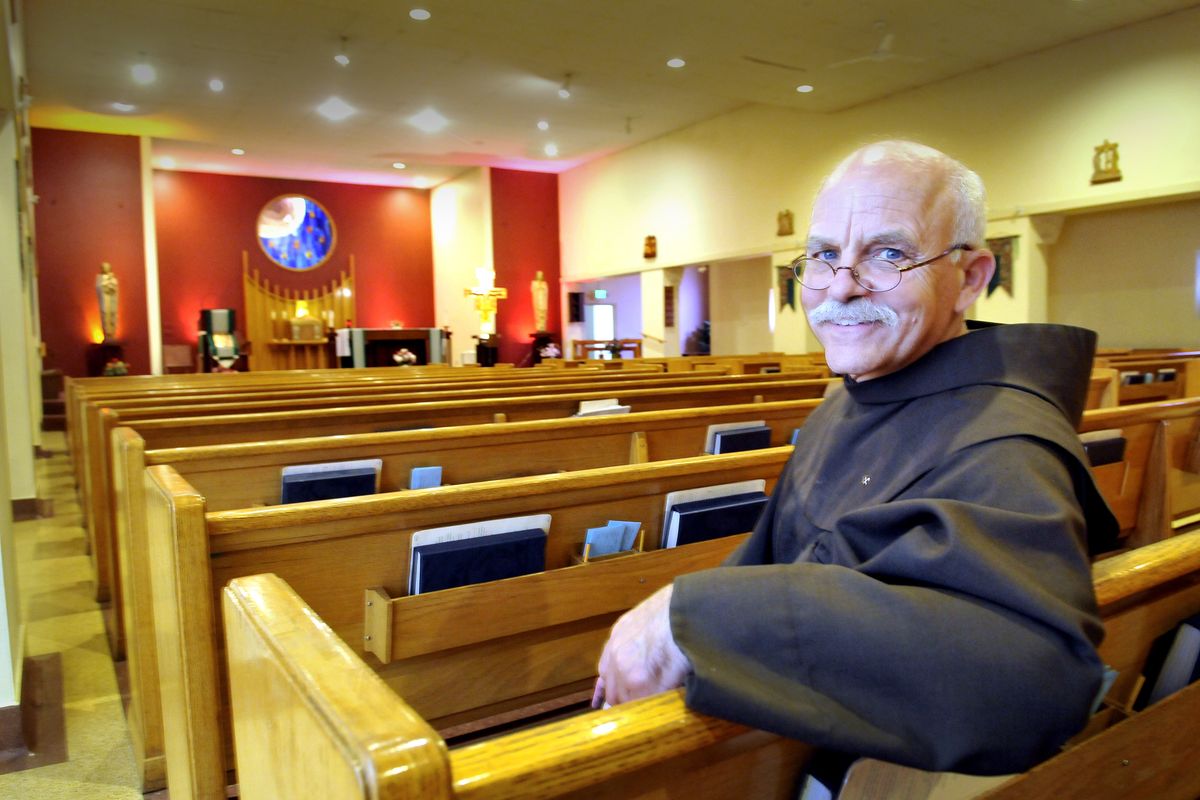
point(804, 88)
point(335, 109)
point(237, 151)
point(428, 120)
point(676, 63)
point(143, 73)
point(166, 162)
point(419, 14)
point(124, 108)
point(217, 85)
point(564, 91)
point(551, 149)
point(342, 57)
point(398, 165)
point(543, 125)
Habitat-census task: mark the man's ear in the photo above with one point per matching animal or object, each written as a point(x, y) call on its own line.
point(978, 268)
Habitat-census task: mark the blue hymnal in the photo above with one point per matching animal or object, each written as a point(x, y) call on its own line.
point(604, 540)
point(1172, 663)
point(459, 562)
point(699, 520)
point(739, 439)
point(328, 484)
point(795, 436)
point(425, 477)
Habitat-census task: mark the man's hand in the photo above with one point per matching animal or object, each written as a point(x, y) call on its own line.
point(641, 657)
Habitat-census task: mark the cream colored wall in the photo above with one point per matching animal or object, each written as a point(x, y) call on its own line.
point(712, 191)
point(1130, 274)
point(738, 297)
point(653, 334)
point(461, 215)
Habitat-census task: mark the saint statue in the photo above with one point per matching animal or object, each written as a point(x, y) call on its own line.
point(541, 298)
point(106, 294)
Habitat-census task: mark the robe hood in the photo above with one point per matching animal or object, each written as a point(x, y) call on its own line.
point(1052, 362)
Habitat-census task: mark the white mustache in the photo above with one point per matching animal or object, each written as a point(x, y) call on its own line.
point(855, 312)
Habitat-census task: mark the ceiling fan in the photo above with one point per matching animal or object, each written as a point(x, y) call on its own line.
point(882, 52)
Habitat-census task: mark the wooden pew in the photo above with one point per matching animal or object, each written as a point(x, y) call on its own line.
point(1185, 383)
point(1128, 478)
point(247, 475)
point(300, 387)
point(360, 739)
point(331, 552)
point(370, 416)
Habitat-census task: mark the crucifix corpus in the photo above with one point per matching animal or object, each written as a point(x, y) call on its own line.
point(486, 295)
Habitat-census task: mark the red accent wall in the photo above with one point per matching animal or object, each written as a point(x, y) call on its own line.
point(89, 210)
point(205, 221)
point(524, 240)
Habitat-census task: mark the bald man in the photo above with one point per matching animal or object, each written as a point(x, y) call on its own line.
point(918, 588)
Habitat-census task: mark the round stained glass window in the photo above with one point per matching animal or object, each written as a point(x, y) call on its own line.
point(296, 232)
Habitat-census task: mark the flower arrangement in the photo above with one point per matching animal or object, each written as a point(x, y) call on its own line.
point(115, 366)
point(550, 351)
point(404, 357)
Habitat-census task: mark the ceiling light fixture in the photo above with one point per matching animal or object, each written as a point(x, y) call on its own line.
point(551, 149)
point(124, 108)
point(342, 57)
point(564, 91)
point(543, 125)
point(167, 162)
point(216, 85)
point(335, 109)
point(237, 151)
point(419, 14)
point(428, 120)
point(804, 88)
point(143, 73)
point(398, 165)
point(676, 63)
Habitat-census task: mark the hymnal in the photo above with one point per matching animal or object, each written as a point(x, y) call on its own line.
point(710, 434)
point(713, 517)
point(1103, 447)
point(304, 482)
point(460, 562)
point(740, 439)
point(472, 530)
point(1172, 663)
point(615, 536)
point(599, 408)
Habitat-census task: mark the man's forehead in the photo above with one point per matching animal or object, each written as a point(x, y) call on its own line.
point(895, 196)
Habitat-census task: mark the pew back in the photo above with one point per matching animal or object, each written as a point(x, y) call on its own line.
point(332, 551)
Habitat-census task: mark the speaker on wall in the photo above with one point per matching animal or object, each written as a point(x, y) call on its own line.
point(574, 306)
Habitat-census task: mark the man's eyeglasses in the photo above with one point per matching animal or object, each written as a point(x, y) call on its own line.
point(873, 274)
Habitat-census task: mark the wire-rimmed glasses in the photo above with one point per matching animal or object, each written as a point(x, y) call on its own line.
point(873, 274)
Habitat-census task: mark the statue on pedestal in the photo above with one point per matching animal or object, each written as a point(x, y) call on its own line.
point(541, 300)
point(106, 295)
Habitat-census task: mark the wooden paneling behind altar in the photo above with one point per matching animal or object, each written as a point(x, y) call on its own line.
point(288, 328)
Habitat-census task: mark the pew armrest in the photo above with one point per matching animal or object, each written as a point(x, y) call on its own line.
point(310, 718)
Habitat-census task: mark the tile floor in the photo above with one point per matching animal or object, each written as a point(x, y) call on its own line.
point(55, 587)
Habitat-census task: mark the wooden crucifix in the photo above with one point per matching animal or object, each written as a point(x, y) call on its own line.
point(487, 295)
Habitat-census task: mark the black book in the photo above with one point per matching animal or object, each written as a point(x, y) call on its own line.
point(1103, 447)
point(700, 520)
point(460, 562)
point(739, 439)
point(1172, 663)
point(328, 484)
